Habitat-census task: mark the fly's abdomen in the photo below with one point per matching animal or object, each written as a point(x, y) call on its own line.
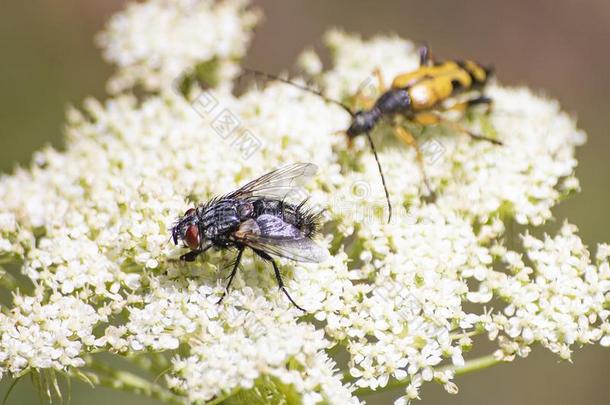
point(304, 219)
point(266, 206)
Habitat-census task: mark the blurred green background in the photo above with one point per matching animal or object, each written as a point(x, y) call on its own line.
point(557, 47)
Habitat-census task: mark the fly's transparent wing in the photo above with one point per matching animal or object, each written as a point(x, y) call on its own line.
point(276, 237)
point(278, 183)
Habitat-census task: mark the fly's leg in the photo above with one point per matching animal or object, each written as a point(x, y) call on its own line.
point(233, 272)
point(408, 138)
point(191, 256)
point(278, 276)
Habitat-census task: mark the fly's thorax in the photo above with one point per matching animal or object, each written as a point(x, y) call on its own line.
point(219, 218)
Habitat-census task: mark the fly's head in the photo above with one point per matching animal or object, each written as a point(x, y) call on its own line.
point(186, 230)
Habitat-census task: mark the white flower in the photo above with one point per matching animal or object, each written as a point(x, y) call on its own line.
point(240, 347)
point(155, 42)
point(48, 335)
point(92, 225)
point(557, 303)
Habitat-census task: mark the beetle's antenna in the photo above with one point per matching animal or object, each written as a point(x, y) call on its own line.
point(385, 187)
point(269, 76)
point(340, 104)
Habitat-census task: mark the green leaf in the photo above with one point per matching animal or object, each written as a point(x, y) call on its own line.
point(10, 389)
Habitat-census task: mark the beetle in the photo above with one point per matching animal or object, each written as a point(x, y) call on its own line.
point(419, 96)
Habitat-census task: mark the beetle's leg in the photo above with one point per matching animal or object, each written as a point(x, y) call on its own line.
point(365, 97)
point(462, 106)
point(407, 137)
point(425, 56)
point(427, 118)
point(362, 101)
point(471, 134)
point(459, 128)
point(381, 88)
point(233, 272)
point(481, 100)
point(278, 276)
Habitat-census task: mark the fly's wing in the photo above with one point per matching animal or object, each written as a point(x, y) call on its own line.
point(278, 183)
point(276, 237)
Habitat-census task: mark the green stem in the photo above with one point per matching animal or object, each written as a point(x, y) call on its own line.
point(477, 364)
point(128, 382)
point(472, 333)
point(154, 363)
point(7, 280)
point(222, 398)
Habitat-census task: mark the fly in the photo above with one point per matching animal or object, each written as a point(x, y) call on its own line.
point(256, 216)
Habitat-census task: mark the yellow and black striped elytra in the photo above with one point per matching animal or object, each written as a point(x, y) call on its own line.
point(420, 96)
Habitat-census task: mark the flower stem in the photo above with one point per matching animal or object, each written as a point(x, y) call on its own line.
point(154, 363)
point(128, 382)
point(476, 364)
point(222, 398)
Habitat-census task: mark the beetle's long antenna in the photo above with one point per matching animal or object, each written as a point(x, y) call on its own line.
point(385, 187)
point(340, 104)
point(269, 76)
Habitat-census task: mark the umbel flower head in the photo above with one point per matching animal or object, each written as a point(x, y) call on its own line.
point(89, 229)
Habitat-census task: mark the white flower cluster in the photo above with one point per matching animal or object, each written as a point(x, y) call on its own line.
point(9, 242)
point(558, 301)
point(50, 335)
point(239, 347)
point(92, 225)
point(401, 324)
point(154, 43)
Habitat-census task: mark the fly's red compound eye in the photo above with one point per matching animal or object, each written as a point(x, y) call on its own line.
point(191, 237)
point(189, 211)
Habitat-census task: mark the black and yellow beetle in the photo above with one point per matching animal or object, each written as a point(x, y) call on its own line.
point(421, 97)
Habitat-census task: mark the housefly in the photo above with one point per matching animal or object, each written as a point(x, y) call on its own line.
point(256, 216)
